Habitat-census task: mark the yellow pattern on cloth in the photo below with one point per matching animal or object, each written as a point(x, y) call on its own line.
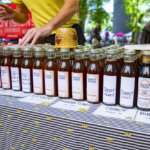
point(43, 11)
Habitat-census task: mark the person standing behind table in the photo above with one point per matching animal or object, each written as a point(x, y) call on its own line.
point(107, 36)
point(48, 15)
point(97, 33)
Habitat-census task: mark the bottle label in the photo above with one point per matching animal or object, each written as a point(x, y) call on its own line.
point(38, 81)
point(144, 93)
point(93, 87)
point(49, 82)
point(127, 91)
point(77, 85)
point(5, 76)
point(15, 78)
point(63, 84)
point(109, 89)
point(26, 80)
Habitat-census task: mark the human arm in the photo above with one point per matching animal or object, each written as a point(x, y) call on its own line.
point(69, 8)
point(19, 15)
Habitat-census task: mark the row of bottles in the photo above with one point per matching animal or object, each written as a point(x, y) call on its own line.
point(98, 75)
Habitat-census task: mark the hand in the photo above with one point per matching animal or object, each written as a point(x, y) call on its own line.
point(6, 12)
point(35, 34)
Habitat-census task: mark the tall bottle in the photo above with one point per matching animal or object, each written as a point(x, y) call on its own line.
point(5, 69)
point(143, 101)
point(93, 78)
point(38, 71)
point(110, 85)
point(64, 74)
point(16, 69)
point(26, 71)
point(128, 81)
point(51, 69)
point(78, 76)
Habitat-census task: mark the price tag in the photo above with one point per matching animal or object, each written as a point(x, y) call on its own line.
point(143, 116)
point(68, 104)
point(116, 112)
point(38, 99)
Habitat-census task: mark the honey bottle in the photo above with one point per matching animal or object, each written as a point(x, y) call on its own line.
point(79, 76)
point(16, 69)
point(51, 69)
point(110, 84)
point(64, 74)
point(143, 101)
point(93, 77)
point(38, 71)
point(26, 71)
point(5, 69)
point(128, 80)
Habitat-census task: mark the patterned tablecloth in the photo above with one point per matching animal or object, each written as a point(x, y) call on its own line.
point(44, 123)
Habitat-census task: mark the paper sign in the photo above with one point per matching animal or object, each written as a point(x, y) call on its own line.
point(143, 116)
point(38, 99)
point(116, 112)
point(69, 104)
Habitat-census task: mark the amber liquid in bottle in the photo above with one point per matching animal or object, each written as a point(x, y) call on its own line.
point(128, 83)
point(79, 77)
point(93, 79)
point(51, 84)
point(143, 100)
point(110, 81)
point(26, 72)
point(5, 70)
point(16, 70)
point(64, 75)
point(38, 73)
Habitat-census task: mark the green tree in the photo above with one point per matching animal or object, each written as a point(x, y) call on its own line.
point(136, 9)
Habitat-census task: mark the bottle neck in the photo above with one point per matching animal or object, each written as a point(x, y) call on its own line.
point(79, 56)
point(51, 55)
point(111, 58)
point(94, 56)
point(65, 55)
point(129, 58)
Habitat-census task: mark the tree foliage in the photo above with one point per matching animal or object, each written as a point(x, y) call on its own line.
point(95, 10)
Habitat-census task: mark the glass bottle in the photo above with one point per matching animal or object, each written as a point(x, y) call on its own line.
point(110, 78)
point(16, 69)
point(26, 71)
point(143, 100)
point(79, 76)
point(38, 71)
point(5, 69)
point(128, 81)
point(51, 69)
point(64, 74)
point(93, 78)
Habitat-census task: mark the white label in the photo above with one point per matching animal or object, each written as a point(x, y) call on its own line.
point(15, 78)
point(5, 76)
point(116, 112)
point(69, 104)
point(63, 84)
point(143, 116)
point(49, 82)
point(38, 99)
point(77, 85)
point(144, 93)
point(127, 91)
point(109, 89)
point(26, 80)
point(92, 87)
point(38, 81)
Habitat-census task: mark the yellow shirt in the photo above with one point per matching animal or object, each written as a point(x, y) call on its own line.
point(44, 10)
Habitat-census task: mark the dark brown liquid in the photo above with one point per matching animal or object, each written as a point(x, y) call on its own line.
point(129, 71)
point(53, 66)
point(39, 64)
point(80, 68)
point(65, 66)
point(17, 62)
point(112, 70)
point(6, 62)
point(94, 69)
point(28, 64)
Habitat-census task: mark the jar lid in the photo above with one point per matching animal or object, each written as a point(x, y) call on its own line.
point(50, 49)
point(111, 52)
point(37, 49)
point(27, 48)
point(78, 50)
point(94, 51)
point(63, 50)
point(128, 51)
